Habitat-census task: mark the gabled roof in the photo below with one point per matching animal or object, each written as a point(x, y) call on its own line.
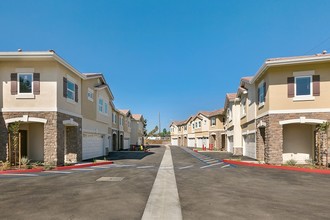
point(138, 117)
point(281, 61)
point(102, 86)
point(212, 113)
point(125, 112)
point(229, 98)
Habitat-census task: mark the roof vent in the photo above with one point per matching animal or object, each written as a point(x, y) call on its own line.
point(19, 50)
point(324, 52)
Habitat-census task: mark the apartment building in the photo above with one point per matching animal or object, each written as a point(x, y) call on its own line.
point(126, 118)
point(137, 126)
point(204, 129)
point(65, 116)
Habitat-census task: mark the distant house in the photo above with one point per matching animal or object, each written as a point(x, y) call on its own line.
point(137, 126)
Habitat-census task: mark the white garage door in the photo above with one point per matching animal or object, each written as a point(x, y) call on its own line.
point(92, 146)
point(126, 144)
point(174, 141)
point(191, 142)
point(231, 144)
point(249, 146)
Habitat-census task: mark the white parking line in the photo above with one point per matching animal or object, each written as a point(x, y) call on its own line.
point(225, 166)
point(82, 169)
point(55, 171)
point(164, 202)
point(19, 174)
point(211, 165)
point(144, 167)
point(186, 167)
point(212, 161)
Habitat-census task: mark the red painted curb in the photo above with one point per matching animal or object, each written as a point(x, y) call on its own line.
point(37, 170)
point(306, 170)
point(83, 165)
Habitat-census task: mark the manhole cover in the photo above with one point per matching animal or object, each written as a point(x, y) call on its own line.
point(110, 179)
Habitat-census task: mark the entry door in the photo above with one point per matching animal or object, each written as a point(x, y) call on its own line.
point(24, 144)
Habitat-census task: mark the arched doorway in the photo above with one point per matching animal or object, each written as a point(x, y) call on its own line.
point(121, 142)
point(114, 141)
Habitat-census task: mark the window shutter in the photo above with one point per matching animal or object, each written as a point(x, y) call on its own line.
point(316, 85)
point(76, 92)
point(13, 79)
point(290, 87)
point(36, 83)
point(65, 82)
point(265, 92)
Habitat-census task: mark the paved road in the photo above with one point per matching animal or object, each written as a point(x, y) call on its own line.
point(205, 192)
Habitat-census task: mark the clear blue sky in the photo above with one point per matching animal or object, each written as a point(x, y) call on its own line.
point(169, 56)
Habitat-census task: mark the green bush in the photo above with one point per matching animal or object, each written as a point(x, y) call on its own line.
point(291, 162)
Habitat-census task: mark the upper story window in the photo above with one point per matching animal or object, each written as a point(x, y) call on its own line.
point(261, 93)
point(90, 94)
point(213, 121)
point(179, 128)
point(193, 125)
point(199, 124)
point(185, 127)
point(243, 106)
point(101, 105)
point(303, 86)
point(70, 90)
point(105, 107)
point(25, 83)
point(229, 114)
point(121, 121)
point(114, 117)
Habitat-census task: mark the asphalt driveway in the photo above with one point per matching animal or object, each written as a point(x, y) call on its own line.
point(249, 193)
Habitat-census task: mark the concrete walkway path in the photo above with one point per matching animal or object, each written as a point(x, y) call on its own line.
point(164, 202)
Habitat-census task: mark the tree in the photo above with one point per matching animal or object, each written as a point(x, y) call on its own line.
point(164, 131)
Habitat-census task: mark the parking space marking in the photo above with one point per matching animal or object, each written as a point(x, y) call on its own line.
point(19, 174)
point(144, 167)
point(186, 167)
point(59, 172)
point(82, 169)
point(211, 165)
point(228, 165)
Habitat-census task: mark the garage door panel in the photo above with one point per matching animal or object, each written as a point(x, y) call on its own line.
point(92, 146)
point(250, 146)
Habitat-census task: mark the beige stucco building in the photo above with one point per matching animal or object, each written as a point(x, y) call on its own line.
point(65, 116)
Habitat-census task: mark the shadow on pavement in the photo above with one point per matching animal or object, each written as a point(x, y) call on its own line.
point(122, 155)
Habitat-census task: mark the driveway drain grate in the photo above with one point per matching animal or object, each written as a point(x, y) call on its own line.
point(110, 179)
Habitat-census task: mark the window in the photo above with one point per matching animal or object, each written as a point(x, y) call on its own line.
point(25, 81)
point(243, 106)
point(185, 127)
point(261, 93)
point(193, 125)
point(228, 114)
point(213, 121)
point(105, 108)
point(121, 121)
point(199, 124)
point(114, 120)
point(101, 105)
point(303, 86)
point(90, 94)
point(70, 90)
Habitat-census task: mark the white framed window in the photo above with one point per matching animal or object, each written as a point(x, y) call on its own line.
point(105, 107)
point(229, 114)
point(303, 86)
point(213, 121)
point(261, 93)
point(70, 90)
point(193, 125)
point(243, 106)
point(114, 118)
point(121, 121)
point(100, 105)
point(25, 83)
point(90, 94)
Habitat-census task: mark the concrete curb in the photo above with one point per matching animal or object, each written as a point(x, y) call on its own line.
point(306, 170)
point(38, 170)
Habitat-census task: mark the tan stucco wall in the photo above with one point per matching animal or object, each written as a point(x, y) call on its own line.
point(62, 103)
point(278, 87)
point(92, 126)
point(48, 86)
point(88, 108)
